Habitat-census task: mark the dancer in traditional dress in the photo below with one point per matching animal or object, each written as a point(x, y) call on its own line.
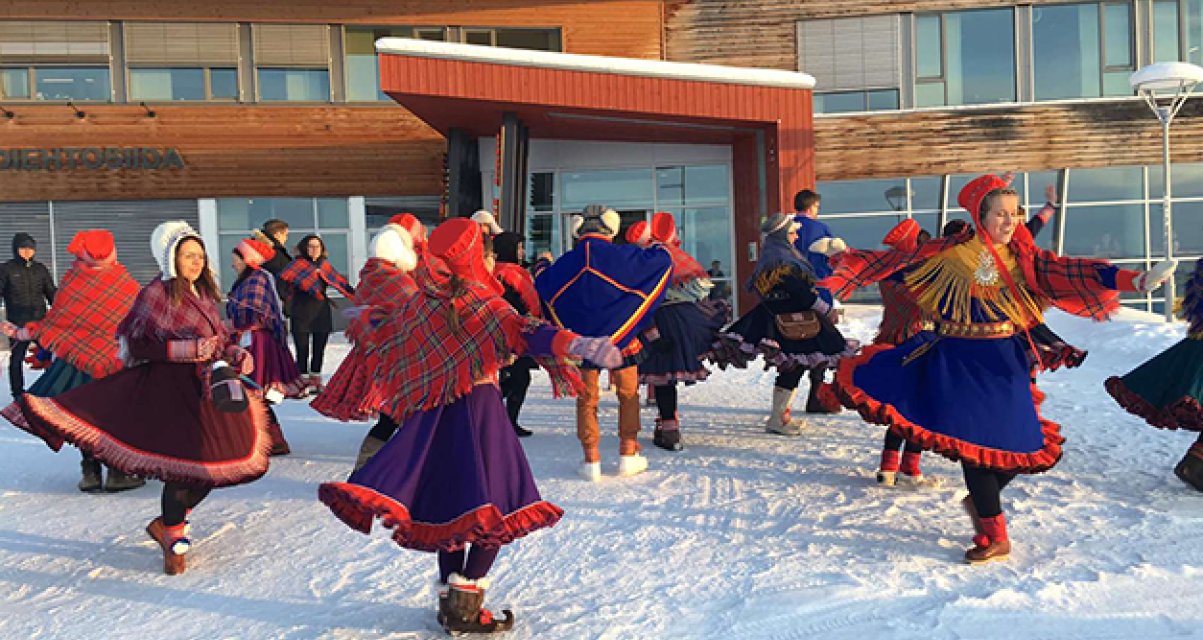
point(965, 389)
point(1167, 391)
point(81, 331)
point(454, 480)
point(159, 417)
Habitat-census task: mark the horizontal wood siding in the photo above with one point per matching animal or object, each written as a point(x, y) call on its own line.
point(762, 33)
point(1029, 138)
point(630, 28)
point(230, 151)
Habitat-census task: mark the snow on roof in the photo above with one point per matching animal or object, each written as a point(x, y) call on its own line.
point(598, 64)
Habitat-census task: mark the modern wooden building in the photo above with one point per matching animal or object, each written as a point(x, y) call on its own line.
point(123, 114)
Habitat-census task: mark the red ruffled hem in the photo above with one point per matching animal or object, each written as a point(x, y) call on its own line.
point(952, 448)
point(351, 395)
point(357, 505)
point(43, 418)
point(1186, 413)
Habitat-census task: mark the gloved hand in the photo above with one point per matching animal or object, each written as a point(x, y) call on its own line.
point(1156, 276)
point(240, 359)
point(828, 246)
point(599, 351)
point(193, 349)
point(9, 329)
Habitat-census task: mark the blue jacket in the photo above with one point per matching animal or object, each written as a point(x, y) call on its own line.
point(811, 231)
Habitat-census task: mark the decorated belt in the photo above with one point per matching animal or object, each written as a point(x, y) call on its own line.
point(982, 330)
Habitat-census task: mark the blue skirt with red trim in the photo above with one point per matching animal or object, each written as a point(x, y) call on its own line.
point(967, 399)
point(452, 476)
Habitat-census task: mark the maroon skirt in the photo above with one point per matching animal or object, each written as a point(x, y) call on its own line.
point(275, 368)
point(153, 421)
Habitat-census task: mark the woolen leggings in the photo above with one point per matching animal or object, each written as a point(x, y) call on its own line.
point(178, 499)
point(985, 488)
point(473, 564)
point(666, 401)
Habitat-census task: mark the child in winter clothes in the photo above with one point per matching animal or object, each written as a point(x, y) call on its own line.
point(25, 287)
point(454, 480)
point(1167, 391)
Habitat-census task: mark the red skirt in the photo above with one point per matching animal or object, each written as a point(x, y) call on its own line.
point(351, 393)
point(153, 421)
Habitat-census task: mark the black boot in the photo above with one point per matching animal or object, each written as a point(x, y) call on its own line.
point(463, 610)
point(667, 435)
point(90, 481)
point(1190, 470)
point(521, 431)
point(119, 481)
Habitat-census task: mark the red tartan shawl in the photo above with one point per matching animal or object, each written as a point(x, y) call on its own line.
point(310, 277)
point(153, 316)
point(426, 360)
point(381, 286)
point(520, 280)
point(1070, 284)
point(81, 327)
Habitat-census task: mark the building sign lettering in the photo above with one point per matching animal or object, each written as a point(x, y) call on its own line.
point(91, 158)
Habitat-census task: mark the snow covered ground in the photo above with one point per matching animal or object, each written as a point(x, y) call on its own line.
point(743, 535)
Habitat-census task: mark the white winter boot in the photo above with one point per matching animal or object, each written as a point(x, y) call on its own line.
point(780, 421)
point(631, 465)
point(590, 471)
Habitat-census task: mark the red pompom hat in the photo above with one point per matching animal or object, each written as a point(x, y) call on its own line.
point(93, 245)
point(904, 236)
point(639, 233)
point(410, 223)
point(459, 243)
point(254, 253)
point(685, 268)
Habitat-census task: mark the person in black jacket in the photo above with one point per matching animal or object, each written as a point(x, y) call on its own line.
point(275, 233)
point(509, 270)
point(26, 287)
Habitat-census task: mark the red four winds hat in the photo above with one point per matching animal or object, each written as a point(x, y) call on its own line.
point(254, 253)
point(639, 233)
point(904, 236)
point(459, 243)
point(664, 229)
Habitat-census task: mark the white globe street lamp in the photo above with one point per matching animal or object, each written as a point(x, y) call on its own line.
point(1165, 86)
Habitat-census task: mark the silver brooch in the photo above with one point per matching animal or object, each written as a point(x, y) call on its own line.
point(986, 273)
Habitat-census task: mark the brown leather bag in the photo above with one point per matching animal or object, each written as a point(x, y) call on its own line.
point(799, 325)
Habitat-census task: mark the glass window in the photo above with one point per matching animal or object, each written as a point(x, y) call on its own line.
point(543, 233)
point(223, 84)
point(305, 85)
point(478, 37)
point(1066, 51)
point(609, 187)
point(363, 69)
point(332, 213)
point(71, 83)
point(882, 99)
point(1188, 229)
point(1117, 23)
point(167, 84)
point(1104, 231)
point(925, 193)
point(537, 39)
point(1187, 178)
point(670, 187)
point(542, 190)
point(1165, 31)
point(863, 232)
point(706, 183)
point(857, 196)
point(977, 49)
point(327, 217)
point(1194, 31)
point(1108, 183)
point(843, 102)
point(14, 83)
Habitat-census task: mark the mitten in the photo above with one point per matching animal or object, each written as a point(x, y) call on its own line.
point(599, 351)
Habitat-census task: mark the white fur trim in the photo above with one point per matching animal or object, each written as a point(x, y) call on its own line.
point(457, 580)
point(486, 218)
point(612, 220)
point(393, 243)
point(822, 245)
point(577, 222)
point(163, 242)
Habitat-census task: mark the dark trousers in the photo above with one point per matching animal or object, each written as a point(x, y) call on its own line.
point(985, 488)
point(791, 379)
point(304, 361)
point(514, 381)
point(177, 500)
point(666, 401)
point(473, 564)
point(384, 429)
point(16, 368)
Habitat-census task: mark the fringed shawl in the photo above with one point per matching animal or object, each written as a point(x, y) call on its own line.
point(154, 317)
point(1191, 305)
point(254, 304)
point(311, 277)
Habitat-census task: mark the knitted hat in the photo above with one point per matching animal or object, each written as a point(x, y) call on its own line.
point(971, 196)
point(393, 243)
point(163, 242)
point(664, 229)
point(93, 245)
point(24, 241)
point(254, 252)
point(459, 243)
point(505, 246)
point(904, 236)
point(598, 219)
point(639, 233)
point(410, 222)
point(779, 225)
point(485, 219)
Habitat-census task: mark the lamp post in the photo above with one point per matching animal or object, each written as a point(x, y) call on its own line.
point(897, 196)
point(1165, 86)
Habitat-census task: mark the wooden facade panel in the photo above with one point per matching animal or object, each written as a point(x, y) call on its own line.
point(762, 33)
point(229, 151)
point(1029, 138)
point(629, 28)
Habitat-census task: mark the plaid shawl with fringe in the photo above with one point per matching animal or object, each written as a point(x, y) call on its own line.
point(154, 317)
point(311, 277)
point(81, 327)
point(428, 360)
point(1191, 308)
point(1073, 285)
point(515, 277)
point(381, 286)
point(253, 304)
